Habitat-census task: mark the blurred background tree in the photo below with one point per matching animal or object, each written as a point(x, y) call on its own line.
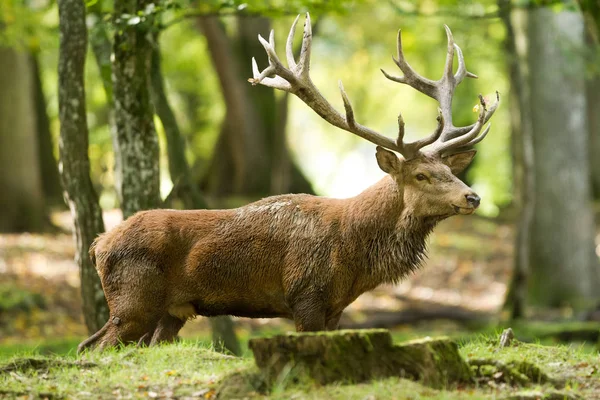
point(173, 121)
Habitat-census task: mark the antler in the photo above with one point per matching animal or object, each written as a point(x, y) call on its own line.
point(296, 80)
point(442, 90)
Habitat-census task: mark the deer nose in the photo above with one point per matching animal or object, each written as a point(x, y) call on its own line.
point(473, 200)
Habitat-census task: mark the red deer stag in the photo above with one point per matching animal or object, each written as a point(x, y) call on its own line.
point(295, 256)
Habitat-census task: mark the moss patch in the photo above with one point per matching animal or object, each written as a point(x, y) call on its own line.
point(514, 372)
point(353, 356)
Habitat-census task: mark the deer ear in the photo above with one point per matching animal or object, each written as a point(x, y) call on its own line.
point(459, 161)
point(388, 161)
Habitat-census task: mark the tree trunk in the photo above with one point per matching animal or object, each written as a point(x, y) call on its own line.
point(591, 12)
point(515, 22)
point(564, 269)
point(75, 163)
point(223, 335)
point(102, 48)
point(224, 338)
point(51, 186)
point(228, 170)
point(21, 200)
point(179, 169)
point(136, 148)
point(286, 176)
point(251, 157)
point(593, 104)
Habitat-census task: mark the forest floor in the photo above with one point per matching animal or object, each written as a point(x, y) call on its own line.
point(190, 370)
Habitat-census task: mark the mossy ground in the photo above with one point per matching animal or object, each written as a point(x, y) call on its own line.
point(192, 369)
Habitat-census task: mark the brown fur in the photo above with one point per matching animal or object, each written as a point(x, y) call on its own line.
point(295, 256)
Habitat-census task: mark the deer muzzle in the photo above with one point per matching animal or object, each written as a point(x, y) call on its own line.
point(473, 200)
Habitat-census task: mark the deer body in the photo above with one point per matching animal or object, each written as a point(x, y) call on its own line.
point(295, 256)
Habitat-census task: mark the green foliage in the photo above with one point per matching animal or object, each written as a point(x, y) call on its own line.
point(58, 346)
point(345, 47)
point(21, 23)
point(275, 8)
point(181, 370)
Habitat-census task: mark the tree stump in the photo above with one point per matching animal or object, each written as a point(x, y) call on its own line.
point(359, 355)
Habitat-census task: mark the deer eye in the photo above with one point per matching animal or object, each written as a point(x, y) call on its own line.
point(421, 177)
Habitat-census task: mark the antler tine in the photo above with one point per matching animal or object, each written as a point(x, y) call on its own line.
point(400, 140)
point(464, 140)
point(304, 63)
point(347, 105)
point(458, 131)
point(410, 150)
point(362, 131)
point(275, 75)
point(270, 49)
point(435, 135)
point(411, 77)
point(265, 78)
point(297, 81)
point(449, 56)
point(462, 72)
point(480, 137)
point(447, 136)
point(289, 47)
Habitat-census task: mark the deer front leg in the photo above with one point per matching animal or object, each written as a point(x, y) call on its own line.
point(309, 315)
point(167, 329)
point(333, 321)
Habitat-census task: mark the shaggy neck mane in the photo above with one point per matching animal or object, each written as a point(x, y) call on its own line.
point(393, 241)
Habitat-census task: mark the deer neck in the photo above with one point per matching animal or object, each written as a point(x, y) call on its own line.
point(391, 240)
point(380, 205)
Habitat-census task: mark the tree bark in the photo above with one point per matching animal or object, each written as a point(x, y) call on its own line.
point(224, 338)
point(21, 199)
point(223, 335)
point(591, 13)
point(102, 48)
point(75, 163)
point(229, 165)
point(136, 141)
point(564, 269)
point(515, 22)
point(593, 104)
point(51, 186)
point(179, 169)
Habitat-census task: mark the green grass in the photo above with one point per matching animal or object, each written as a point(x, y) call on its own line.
point(61, 346)
point(192, 368)
point(542, 332)
point(175, 370)
point(577, 365)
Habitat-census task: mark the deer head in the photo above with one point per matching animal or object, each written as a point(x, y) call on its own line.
point(426, 172)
